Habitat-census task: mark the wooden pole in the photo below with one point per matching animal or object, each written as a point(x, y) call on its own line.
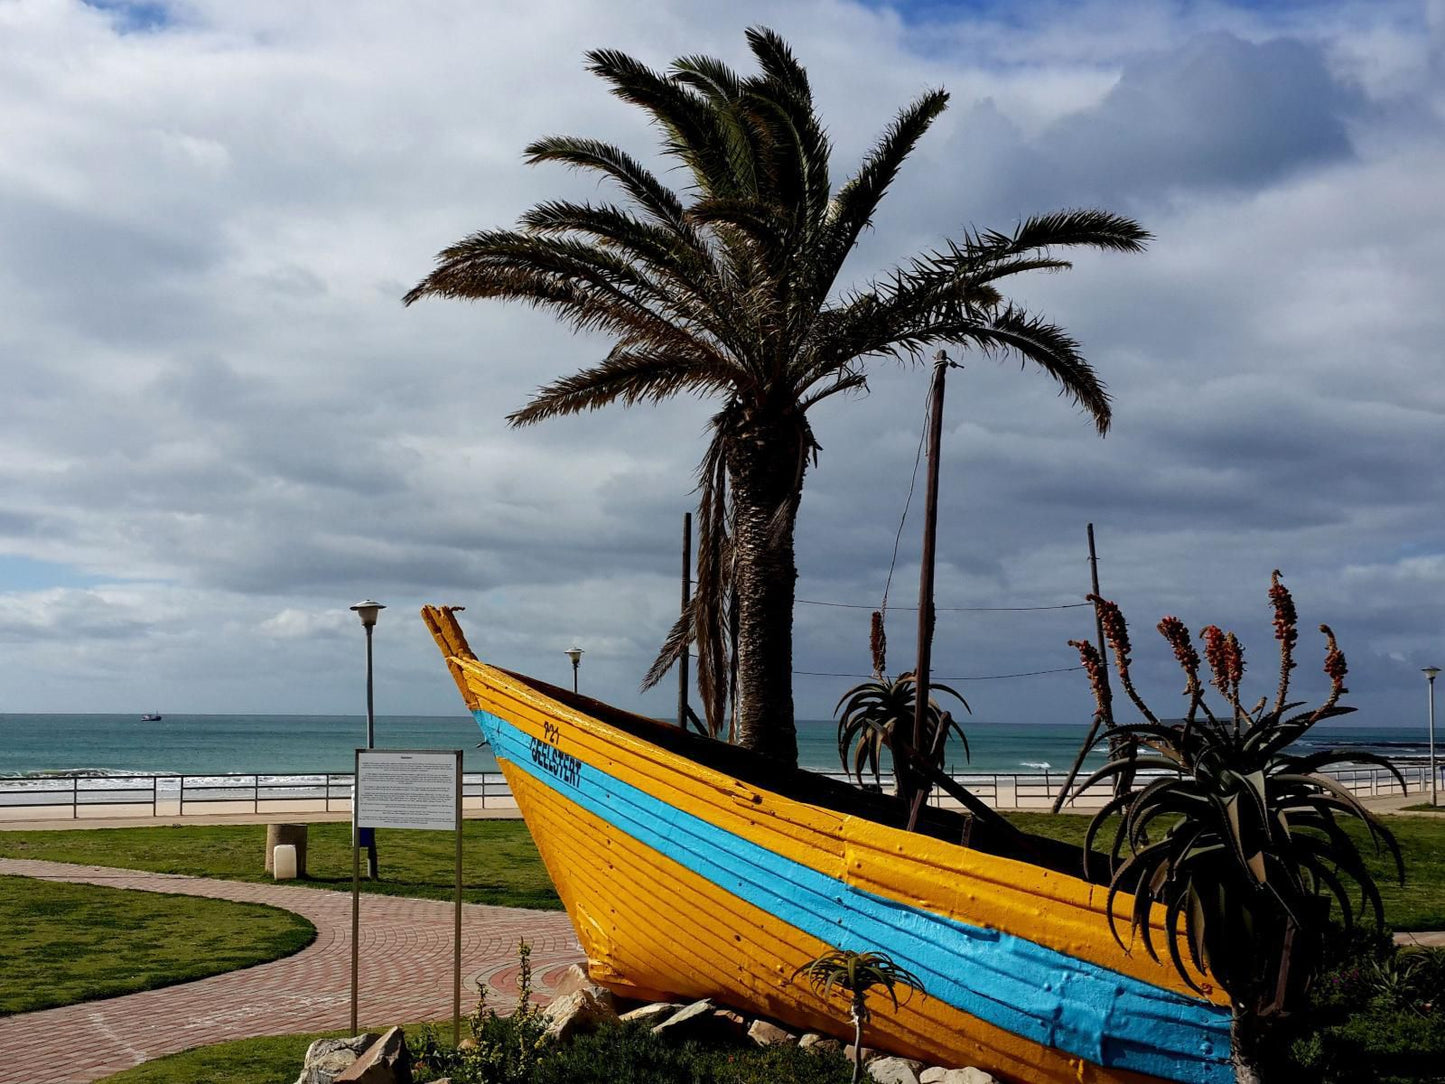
point(457, 923)
point(355, 890)
point(682, 662)
point(925, 576)
point(1099, 636)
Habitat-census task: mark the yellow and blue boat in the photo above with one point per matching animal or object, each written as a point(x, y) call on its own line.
point(691, 868)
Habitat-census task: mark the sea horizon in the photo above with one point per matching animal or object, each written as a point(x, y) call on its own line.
point(221, 743)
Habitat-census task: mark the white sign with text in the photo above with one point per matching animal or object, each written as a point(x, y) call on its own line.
point(407, 789)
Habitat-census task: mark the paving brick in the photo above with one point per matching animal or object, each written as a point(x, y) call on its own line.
point(406, 974)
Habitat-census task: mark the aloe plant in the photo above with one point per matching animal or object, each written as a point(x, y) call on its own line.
point(875, 714)
point(1237, 839)
point(857, 974)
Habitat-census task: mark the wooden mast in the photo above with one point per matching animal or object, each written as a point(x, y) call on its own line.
point(914, 789)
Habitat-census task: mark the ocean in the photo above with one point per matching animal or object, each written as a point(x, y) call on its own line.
point(298, 744)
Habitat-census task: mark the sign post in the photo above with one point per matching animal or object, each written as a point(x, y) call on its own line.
point(407, 788)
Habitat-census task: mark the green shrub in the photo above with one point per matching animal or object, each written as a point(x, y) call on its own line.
point(633, 1054)
point(1376, 1016)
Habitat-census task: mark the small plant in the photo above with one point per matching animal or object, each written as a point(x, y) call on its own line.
point(1238, 840)
point(877, 712)
point(857, 974)
point(502, 1049)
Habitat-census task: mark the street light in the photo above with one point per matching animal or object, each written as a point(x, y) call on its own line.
point(1430, 673)
point(368, 611)
point(575, 654)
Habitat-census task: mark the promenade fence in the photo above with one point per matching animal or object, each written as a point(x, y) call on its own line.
point(76, 797)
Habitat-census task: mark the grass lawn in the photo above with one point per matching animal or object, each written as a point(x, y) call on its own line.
point(274, 1059)
point(66, 943)
point(499, 862)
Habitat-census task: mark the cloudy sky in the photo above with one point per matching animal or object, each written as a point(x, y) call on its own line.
point(219, 426)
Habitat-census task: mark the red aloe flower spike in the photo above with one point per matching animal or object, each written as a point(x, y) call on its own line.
point(1217, 654)
point(1286, 631)
point(1174, 631)
point(1335, 666)
point(1234, 672)
point(1093, 664)
point(878, 645)
point(1116, 631)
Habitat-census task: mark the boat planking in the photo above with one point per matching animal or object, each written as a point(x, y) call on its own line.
point(694, 869)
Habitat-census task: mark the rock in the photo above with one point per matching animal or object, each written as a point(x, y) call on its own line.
point(968, 1075)
point(868, 1053)
point(654, 1013)
point(823, 1044)
point(727, 1022)
point(578, 1012)
point(327, 1058)
point(766, 1033)
point(575, 979)
point(690, 1020)
point(894, 1070)
point(386, 1061)
point(932, 1075)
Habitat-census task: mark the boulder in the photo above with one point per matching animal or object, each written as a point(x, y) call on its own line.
point(576, 979)
point(578, 1012)
point(823, 1044)
point(386, 1061)
point(328, 1058)
point(932, 1075)
point(894, 1070)
point(968, 1075)
point(729, 1023)
point(766, 1033)
point(654, 1013)
point(687, 1022)
point(868, 1053)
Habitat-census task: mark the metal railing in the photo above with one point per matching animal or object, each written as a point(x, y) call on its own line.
point(77, 796)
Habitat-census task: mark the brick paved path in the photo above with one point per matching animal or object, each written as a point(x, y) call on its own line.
point(406, 975)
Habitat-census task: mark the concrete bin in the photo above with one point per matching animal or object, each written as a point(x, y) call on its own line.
point(292, 834)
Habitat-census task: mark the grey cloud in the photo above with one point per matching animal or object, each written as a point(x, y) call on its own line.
point(1220, 111)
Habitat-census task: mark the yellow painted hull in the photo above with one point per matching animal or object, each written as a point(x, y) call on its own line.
point(686, 881)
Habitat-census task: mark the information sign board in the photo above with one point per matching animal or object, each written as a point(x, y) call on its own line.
point(407, 789)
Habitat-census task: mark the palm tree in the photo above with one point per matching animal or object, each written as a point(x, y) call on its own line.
point(728, 290)
point(857, 974)
point(1237, 839)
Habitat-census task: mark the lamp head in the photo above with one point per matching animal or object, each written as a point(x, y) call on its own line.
point(575, 654)
point(1430, 671)
point(367, 611)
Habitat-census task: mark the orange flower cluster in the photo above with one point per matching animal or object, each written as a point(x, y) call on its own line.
point(1093, 664)
point(1115, 629)
point(1335, 665)
point(1226, 661)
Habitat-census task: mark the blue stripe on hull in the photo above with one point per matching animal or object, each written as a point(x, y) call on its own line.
point(1044, 995)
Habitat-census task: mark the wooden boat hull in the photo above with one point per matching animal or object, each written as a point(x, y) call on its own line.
point(684, 881)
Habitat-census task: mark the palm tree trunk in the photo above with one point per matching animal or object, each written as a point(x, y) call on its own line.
point(765, 474)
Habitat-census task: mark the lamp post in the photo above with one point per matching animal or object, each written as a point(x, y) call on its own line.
point(368, 611)
point(1430, 673)
point(575, 654)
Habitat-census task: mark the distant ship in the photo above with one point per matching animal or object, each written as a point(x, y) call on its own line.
point(152, 717)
